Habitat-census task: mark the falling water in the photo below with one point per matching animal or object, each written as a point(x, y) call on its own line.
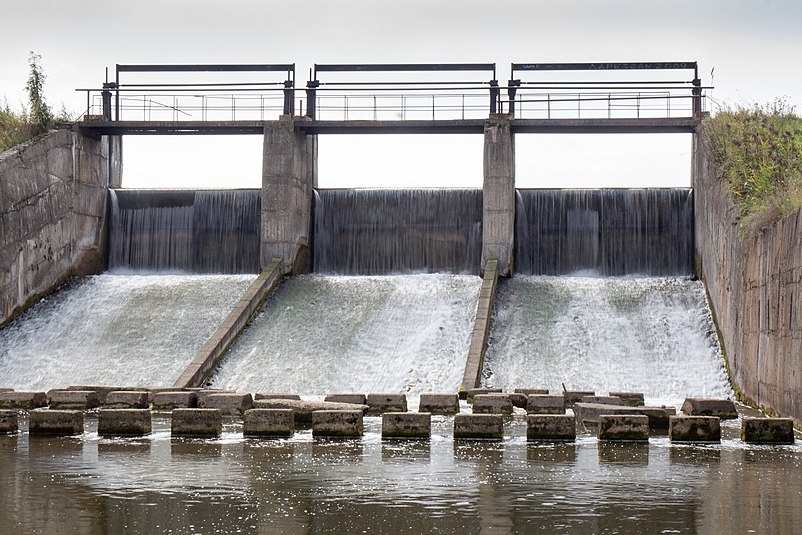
point(323, 334)
point(651, 335)
point(398, 231)
point(116, 330)
point(194, 231)
point(612, 232)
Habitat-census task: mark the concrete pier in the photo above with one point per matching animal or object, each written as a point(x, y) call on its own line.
point(492, 404)
point(406, 425)
point(22, 400)
point(478, 426)
point(498, 228)
point(268, 423)
point(167, 401)
point(228, 403)
point(304, 409)
point(73, 399)
point(694, 429)
point(123, 422)
point(55, 422)
point(196, 422)
point(127, 400)
point(545, 404)
point(337, 424)
point(722, 408)
point(623, 427)
point(439, 403)
point(379, 403)
point(9, 422)
point(551, 427)
point(767, 430)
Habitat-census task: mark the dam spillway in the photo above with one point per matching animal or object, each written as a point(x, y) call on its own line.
point(382, 231)
point(204, 231)
point(116, 330)
point(323, 334)
point(651, 335)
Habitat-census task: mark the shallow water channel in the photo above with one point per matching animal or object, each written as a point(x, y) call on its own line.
point(157, 484)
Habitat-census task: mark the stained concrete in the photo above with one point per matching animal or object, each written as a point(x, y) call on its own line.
point(196, 422)
point(481, 328)
point(550, 427)
point(22, 400)
point(439, 403)
point(55, 422)
point(123, 422)
point(406, 425)
point(694, 429)
point(268, 423)
point(498, 193)
point(767, 430)
point(478, 426)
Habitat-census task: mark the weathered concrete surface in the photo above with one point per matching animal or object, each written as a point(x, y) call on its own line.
point(289, 176)
point(481, 328)
point(379, 403)
point(471, 392)
point(498, 194)
point(575, 396)
point(627, 427)
point(123, 422)
point(545, 404)
point(304, 409)
point(9, 422)
point(550, 427)
point(228, 403)
point(73, 399)
point(492, 404)
point(268, 423)
point(629, 398)
point(531, 391)
point(53, 194)
point(275, 395)
point(592, 413)
point(127, 399)
point(767, 430)
point(167, 401)
point(406, 425)
point(755, 286)
point(103, 391)
point(439, 403)
point(50, 422)
point(694, 429)
point(202, 366)
point(359, 399)
point(196, 422)
point(482, 426)
point(603, 400)
point(518, 400)
point(722, 408)
point(337, 424)
point(22, 400)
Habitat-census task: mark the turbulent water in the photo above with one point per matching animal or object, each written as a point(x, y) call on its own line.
point(116, 330)
point(383, 231)
point(651, 335)
point(325, 334)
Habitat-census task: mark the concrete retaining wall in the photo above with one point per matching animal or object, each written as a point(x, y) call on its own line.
point(52, 215)
point(755, 289)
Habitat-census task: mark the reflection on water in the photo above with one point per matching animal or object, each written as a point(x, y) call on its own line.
point(155, 484)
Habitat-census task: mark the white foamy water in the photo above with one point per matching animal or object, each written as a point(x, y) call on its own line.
point(650, 335)
point(116, 330)
point(324, 334)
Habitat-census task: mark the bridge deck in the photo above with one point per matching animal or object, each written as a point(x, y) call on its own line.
point(465, 126)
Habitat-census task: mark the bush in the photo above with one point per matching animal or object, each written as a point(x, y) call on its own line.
point(758, 152)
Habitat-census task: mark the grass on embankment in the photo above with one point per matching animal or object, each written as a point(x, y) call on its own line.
point(758, 153)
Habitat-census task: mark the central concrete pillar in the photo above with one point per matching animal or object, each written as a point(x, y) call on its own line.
point(498, 212)
point(289, 176)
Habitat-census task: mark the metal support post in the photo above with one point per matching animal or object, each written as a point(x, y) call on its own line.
point(495, 93)
point(512, 89)
point(311, 95)
point(289, 98)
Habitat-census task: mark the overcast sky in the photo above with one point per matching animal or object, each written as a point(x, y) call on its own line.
point(753, 45)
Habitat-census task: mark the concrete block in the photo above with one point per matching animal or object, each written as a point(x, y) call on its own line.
point(575, 396)
point(492, 404)
point(767, 430)
point(380, 403)
point(471, 392)
point(603, 400)
point(269, 423)
point(22, 400)
point(167, 401)
point(624, 427)
point(723, 408)
point(518, 400)
point(9, 422)
point(203, 393)
point(531, 391)
point(6, 389)
point(102, 391)
point(123, 422)
point(303, 409)
point(545, 404)
point(276, 395)
point(550, 427)
point(73, 399)
point(406, 425)
point(694, 429)
point(337, 424)
point(230, 404)
point(359, 399)
point(127, 399)
point(590, 413)
point(634, 399)
point(439, 403)
point(196, 422)
point(481, 426)
point(56, 422)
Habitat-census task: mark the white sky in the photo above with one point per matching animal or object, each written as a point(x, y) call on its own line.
point(753, 45)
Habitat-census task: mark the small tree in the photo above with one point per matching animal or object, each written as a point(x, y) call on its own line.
point(41, 116)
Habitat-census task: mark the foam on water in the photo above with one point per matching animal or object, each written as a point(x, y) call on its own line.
point(115, 329)
point(325, 334)
point(650, 335)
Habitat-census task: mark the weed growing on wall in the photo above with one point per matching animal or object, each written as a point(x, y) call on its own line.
point(758, 152)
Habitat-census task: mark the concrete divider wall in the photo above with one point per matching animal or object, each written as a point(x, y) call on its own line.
point(53, 195)
point(481, 326)
point(755, 289)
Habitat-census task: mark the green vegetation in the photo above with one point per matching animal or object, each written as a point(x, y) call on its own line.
point(19, 126)
point(758, 152)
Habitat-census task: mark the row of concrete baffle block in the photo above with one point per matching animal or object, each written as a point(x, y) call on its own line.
point(619, 416)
